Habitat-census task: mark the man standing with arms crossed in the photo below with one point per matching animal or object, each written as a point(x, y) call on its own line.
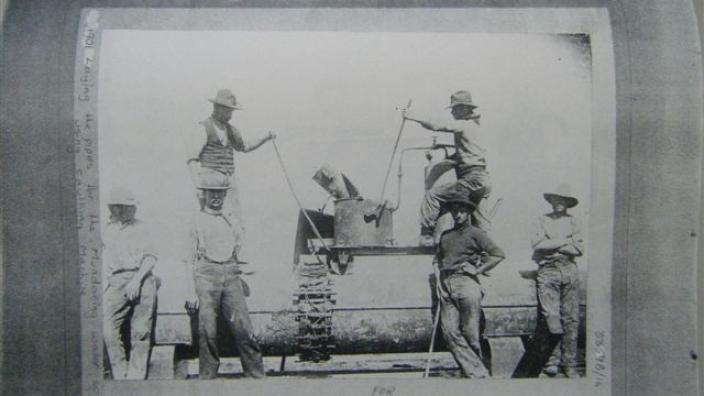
point(129, 286)
point(216, 289)
point(464, 253)
point(556, 242)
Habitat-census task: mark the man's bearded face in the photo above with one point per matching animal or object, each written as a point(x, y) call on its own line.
point(214, 199)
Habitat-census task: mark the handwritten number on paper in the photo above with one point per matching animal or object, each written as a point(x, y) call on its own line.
point(600, 367)
point(383, 390)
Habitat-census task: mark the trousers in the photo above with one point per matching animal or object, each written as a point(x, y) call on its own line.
point(221, 295)
point(460, 315)
point(558, 299)
point(117, 309)
point(476, 184)
point(558, 319)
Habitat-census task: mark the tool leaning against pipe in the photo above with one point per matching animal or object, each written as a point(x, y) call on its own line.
point(464, 249)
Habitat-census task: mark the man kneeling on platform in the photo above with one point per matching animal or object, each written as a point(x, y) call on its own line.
point(464, 253)
point(216, 289)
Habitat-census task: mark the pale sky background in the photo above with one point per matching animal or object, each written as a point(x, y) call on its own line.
point(331, 97)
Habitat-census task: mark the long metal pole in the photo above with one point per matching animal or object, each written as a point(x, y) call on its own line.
point(432, 340)
point(393, 154)
point(293, 192)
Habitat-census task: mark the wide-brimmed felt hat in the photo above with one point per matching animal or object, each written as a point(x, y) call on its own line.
point(459, 198)
point(461, 98)
point(563, 193)
point(226, 98)
point(121, 196)
point(213, 180)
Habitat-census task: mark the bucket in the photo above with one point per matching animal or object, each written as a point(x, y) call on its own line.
point(352, 229)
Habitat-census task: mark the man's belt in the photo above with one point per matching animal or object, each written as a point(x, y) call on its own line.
point(454, 271)
point(562, 259)
point(211, 261)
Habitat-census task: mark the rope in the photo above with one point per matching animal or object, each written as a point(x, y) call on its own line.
point(298, 201)
point(393, 154)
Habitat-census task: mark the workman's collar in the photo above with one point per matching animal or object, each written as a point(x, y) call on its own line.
point(212, 212)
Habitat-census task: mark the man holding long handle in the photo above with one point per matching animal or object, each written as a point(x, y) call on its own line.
point(464, 253)
point(469, 162)
point(213, 149)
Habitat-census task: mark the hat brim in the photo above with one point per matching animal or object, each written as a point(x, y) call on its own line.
point(124, 203)
point(467, 204)
point(225, 105)
point(570, 202)
point(213, 188)
point(462, 104)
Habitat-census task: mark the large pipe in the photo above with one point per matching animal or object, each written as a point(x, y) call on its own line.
point(354, 330)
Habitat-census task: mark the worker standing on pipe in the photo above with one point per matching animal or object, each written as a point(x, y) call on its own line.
point(464, 253)
point(213, 149)
point(216, 289)
point(129, 286)
point(468, 161)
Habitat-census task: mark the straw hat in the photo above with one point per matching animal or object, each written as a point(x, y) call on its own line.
point(121, 196)
point(226, 98)
point(213, 180)
point(461, 98)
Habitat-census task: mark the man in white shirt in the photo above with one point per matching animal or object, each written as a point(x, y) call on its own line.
point(468, 161)
point(129, 286)
point(215, 288)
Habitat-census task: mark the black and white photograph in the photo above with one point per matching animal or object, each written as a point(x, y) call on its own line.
point(346, 203)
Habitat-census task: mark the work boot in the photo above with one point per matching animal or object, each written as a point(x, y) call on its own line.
point(551, 370)
point(572, 372)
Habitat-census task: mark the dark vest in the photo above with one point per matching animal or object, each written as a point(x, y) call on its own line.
point(214, 154)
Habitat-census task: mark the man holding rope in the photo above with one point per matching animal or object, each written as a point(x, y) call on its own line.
point(464, 253)
point(213, 149)
point(468, 161)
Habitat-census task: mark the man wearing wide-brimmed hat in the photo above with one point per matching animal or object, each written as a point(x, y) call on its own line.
point(129, 286)
point(468, 161)
point(213, 147)
point(215, 288)
point(556, 243)
point(464, 253)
